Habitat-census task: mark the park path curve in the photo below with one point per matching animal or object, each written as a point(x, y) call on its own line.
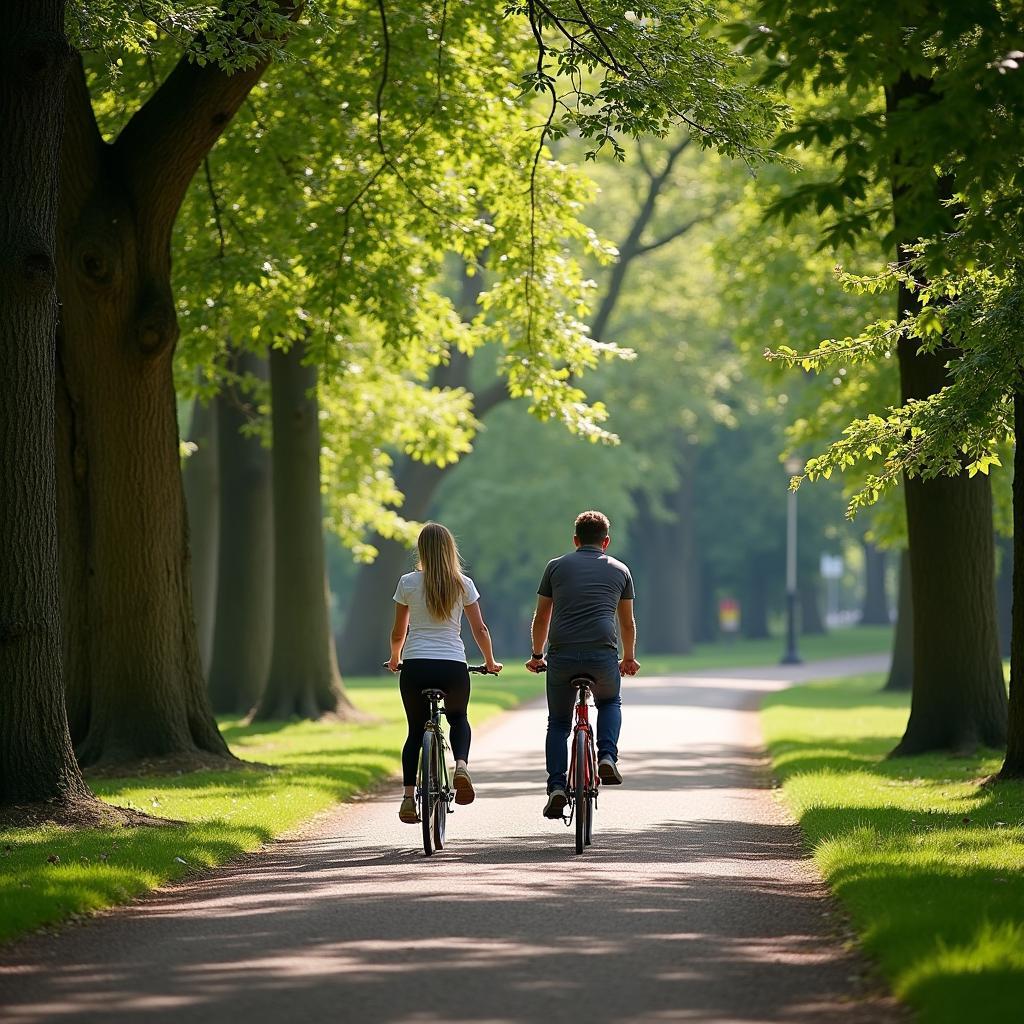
point(696, 903)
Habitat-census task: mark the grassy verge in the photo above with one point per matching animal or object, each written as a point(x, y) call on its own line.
point(741, 653)
point(225, 813)
point(927, 862)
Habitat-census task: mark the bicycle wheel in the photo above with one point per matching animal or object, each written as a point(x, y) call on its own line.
point(428, 785)
point(440, 803)
point(588, 837)
point(580, 795)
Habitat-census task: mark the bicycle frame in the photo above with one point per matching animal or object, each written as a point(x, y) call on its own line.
point(588, 785)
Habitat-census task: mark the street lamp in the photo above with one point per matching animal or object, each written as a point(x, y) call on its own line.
point(791, 656)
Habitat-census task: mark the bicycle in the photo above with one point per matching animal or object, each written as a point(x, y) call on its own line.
point(583, 779)
point(435, 796)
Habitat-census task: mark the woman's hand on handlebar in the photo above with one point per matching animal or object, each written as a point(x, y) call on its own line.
point(536, 665)
point(394, 664)
point(494, 667)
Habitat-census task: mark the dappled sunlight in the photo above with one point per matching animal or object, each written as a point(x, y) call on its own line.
point(927, 859)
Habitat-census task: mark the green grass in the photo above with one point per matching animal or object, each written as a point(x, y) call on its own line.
point(740, 653)
point(226, 813)
point(927, 862)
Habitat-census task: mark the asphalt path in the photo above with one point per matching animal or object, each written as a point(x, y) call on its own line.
point(697, 901)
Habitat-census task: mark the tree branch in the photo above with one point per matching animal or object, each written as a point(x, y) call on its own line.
point(166, 140)
point(676, 232)
point(493, 395)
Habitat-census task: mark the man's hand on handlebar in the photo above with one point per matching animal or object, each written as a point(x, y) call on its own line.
point(629, 666)
point(537, 665)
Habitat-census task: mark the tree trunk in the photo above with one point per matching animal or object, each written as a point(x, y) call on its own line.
point(666, 553)
point(754, 609)
point(812, 623)
point(959, 696)
point(1004, 593)
point(1013, 764)
point(245, 596)
point(200, 480)
point(304, 680)
point(875, 609)
point(36, 760)
point(133, 671)
point(705, 618)
point(901, 668)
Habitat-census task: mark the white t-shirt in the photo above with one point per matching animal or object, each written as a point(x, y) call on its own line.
point(429, 637)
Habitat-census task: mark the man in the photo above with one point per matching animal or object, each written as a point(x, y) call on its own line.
point(585, 598)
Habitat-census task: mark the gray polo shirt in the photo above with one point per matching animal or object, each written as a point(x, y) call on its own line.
point(586, 587)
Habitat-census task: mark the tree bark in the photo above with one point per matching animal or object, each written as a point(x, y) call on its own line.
point(36, 759)
point(1013, 763)
point(304, 680)
point(202, 501)
point(875, 608)
point(133, 670)
point(901, 668)
point(959, 697)
point(245, 596)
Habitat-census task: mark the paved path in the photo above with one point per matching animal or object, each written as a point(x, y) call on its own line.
point(695, 904)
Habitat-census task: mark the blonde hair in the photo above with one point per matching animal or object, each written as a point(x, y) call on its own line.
point(441, 565)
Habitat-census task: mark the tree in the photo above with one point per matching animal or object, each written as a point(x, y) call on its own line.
point(875, 606)
point(36, 760)
point(245, 573)
point(901, 668)
point(136, 683)
point(200, 481)
point(916, 68)
point(303, 680)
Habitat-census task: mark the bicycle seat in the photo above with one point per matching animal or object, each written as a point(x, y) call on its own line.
point(583, 677)
point(433, 694)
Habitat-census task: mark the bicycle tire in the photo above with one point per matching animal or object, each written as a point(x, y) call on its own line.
point(427, 786)
point(580, 794)
point(440, 803)
point(588, 837)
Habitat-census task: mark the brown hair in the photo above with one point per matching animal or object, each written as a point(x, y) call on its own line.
point(592, 527)
point(442, 569)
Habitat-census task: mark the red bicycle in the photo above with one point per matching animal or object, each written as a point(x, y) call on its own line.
point(583, 778)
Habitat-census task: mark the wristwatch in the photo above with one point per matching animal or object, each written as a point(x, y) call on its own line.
point(536, 657)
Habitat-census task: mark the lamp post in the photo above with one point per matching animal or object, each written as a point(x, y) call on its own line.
point(791, 656)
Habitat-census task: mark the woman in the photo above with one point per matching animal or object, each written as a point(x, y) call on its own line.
point(428, 616)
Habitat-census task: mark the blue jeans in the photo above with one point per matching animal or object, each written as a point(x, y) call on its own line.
point(563, 667)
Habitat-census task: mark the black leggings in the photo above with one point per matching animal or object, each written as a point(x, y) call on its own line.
point(419, 674)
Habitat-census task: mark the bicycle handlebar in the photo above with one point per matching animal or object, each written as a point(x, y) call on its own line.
point(480, 670)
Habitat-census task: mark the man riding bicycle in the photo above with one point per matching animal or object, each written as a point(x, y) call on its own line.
point(585, 600)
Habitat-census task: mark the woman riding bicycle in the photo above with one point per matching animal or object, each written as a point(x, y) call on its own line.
point(426, 639)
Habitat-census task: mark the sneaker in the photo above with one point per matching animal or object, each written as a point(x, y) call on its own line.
point(557, 799)
point(407, 812)
point(608, 771)
point(464, 791)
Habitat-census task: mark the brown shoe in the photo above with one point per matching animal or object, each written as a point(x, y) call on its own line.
point(464, 791)
point(407, 812)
